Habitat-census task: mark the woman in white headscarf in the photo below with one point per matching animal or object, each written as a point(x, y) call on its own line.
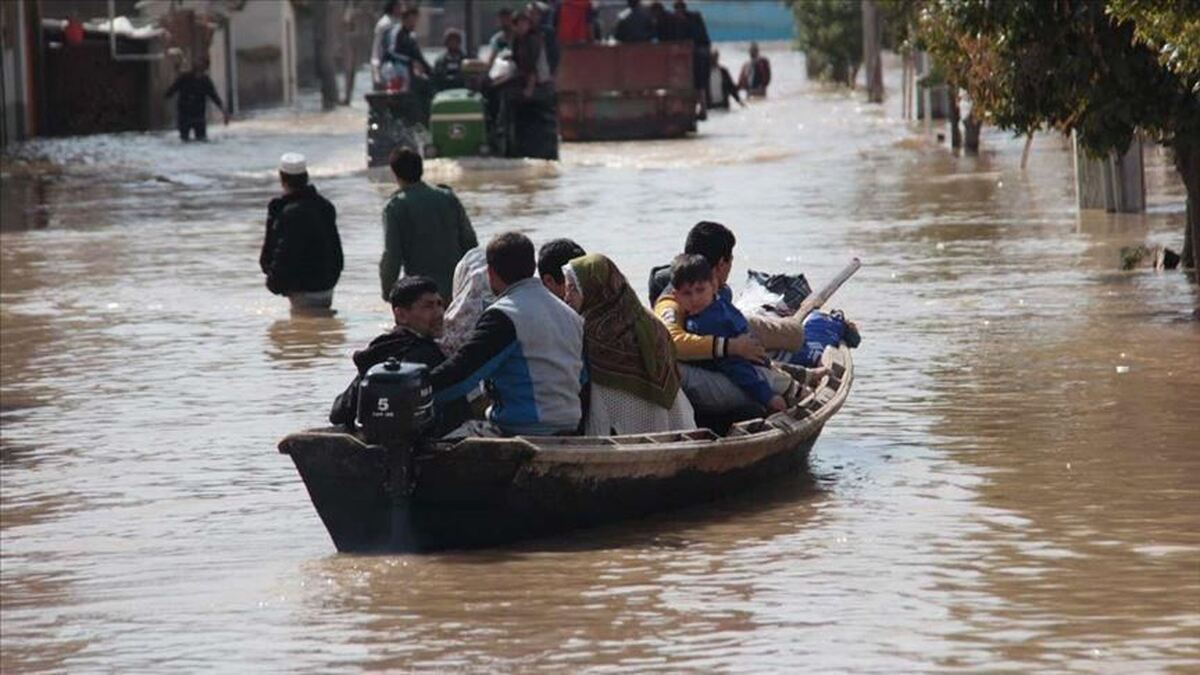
point(470, 296)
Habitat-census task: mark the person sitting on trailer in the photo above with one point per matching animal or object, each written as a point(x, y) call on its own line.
point(527, 348)
point(720, 85)
point(573, 21)
point(530, 56)
point(694, 29)
point(634, 24)
point(447, 70)
point(418, 312)
point(551, 258)
point(403, 47)
point(501, 40)
point(540, 18)
point(756, 74)
point(525, 121)
point(668, 27)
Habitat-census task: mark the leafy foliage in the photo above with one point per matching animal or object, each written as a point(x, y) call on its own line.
point(1169, 27)
point(830, 32)
point(1065, 64)
point(901, 20)
point(1106, 69)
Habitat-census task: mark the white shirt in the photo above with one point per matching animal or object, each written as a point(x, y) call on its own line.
point(382, 28)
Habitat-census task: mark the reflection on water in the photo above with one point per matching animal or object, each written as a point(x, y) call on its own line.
point(307, 337)
point(1012, 484)
point(405, 610)
point(24, 206)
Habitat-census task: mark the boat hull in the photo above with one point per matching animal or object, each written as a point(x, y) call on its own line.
point(356, 495)
point(486, 492)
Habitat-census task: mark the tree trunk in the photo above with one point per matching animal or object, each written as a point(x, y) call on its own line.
point(872, 61)
point(954, 117)
point(813, 65)
point(971, 128)
point(1025, 152)
point(1187, 162)
point(350, 58)
point(351, 69)
point(841, 73)
point(323, 55)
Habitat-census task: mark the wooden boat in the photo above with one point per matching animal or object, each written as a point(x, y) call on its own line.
point(483, 491)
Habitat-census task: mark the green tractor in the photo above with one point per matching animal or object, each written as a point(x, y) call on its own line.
point(458, 125)
point(461, 123)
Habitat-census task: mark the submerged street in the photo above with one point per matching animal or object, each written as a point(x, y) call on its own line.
point(1012, 484)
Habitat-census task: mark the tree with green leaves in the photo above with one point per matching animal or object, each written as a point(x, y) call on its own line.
point(1105, 69)
point(830, 34)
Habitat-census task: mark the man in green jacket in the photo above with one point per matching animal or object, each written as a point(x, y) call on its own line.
point(426, 230)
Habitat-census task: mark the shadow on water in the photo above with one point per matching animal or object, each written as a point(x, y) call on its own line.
point(305, 338)
point(24, 203)
point(661, 530)
point(403, 606)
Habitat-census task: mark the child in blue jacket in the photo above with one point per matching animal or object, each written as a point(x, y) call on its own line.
point(711, 312)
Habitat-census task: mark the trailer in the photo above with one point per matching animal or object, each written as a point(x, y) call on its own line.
point(626, 91)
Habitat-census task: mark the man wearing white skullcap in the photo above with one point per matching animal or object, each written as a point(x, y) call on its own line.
point(302, 252)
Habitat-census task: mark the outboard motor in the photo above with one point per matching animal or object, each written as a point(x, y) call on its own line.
point(395, 403)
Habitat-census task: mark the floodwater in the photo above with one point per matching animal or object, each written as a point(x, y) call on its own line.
point(1014, 483)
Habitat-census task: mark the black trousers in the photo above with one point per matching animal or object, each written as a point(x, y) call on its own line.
point(199, 125)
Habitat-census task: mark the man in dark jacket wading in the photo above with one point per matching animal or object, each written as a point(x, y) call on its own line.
point(302, 252)
point(194, 88)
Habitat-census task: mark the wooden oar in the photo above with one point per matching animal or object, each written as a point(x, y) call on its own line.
point(816, 300)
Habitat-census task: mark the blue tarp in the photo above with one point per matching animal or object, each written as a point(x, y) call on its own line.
point(733, 20)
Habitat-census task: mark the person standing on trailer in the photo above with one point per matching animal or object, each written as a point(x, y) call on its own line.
point(447, 70)
point(693, 28)
point(379, 44)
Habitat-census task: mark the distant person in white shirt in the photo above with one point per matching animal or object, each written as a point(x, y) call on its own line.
point(379, 46)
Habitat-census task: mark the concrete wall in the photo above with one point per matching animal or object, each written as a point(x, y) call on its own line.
point(84, 9)
point(264, 47)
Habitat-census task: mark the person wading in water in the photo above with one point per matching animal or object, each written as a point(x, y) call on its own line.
point(426, 230)
point(302, 252)
point(194, 88)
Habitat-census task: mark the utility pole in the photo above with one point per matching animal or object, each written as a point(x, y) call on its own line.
point(872, 42)
point(470, 39)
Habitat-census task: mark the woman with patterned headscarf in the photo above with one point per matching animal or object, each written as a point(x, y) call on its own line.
point(629, 354)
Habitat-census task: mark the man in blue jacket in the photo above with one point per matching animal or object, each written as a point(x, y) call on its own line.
point(527, 348)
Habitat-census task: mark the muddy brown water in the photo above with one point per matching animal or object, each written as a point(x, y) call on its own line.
point(1014, 483)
